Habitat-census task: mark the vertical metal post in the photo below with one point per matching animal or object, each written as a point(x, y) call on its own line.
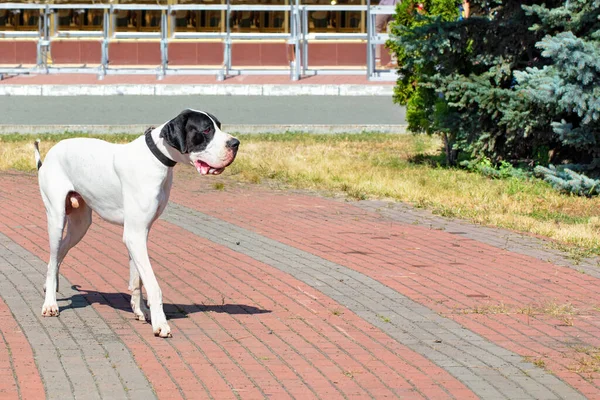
point(170, 22)
point(290, 41)
point(106, 18)
point(297, 58)
point(164, 49)
point(369, 41)
point(46, 49)
point(304, 40)
point(294, 36)
point(227, 52)
point(43, 45)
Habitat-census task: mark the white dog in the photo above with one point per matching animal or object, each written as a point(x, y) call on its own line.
point(126, 184)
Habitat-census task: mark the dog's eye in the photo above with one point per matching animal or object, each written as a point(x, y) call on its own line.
point(206, 131)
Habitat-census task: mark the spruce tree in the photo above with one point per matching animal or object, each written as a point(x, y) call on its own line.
point(423, 104)
point(568, 87)
point(517, 81)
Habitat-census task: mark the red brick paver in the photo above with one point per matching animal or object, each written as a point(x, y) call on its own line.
point(546, 313)
point(19, 376)
point(241, 327)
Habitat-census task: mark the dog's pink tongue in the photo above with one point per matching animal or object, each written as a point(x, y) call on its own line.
point(202, 167)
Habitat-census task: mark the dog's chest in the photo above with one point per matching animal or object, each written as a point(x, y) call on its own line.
point(164, 194)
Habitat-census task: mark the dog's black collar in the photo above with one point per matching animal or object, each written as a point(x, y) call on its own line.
point(157, 153)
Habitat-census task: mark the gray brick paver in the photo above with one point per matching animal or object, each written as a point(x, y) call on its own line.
point(71, 350)
point(409, 326)
point(53, 375)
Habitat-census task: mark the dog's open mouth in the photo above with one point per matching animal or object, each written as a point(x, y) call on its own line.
point(205, 169)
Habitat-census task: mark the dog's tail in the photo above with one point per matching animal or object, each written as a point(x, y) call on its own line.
point(38, 157)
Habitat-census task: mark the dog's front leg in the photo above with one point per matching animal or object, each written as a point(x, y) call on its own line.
point(138, 305)
point(136, 241)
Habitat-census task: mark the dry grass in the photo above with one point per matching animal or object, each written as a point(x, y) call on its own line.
point(589, 360)
point(16, 151)
point(565, 312)
point(19, 155)
point(559, 310)
point(551, 308)
point(537, 361)
point(400, 168)
point(486, 309)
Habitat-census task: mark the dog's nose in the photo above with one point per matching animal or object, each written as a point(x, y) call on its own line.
point(233, 143)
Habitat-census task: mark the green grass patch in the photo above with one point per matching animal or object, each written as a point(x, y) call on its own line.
point(113, 138)
point(558, 217)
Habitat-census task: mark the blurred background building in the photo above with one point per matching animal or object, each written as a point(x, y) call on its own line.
point(190, 42)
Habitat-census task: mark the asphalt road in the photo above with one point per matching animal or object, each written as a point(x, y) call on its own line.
point(254, 110)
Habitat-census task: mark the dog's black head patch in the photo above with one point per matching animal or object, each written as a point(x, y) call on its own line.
point(190, 131)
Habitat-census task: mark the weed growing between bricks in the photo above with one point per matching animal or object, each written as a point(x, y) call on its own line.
point(565, 312)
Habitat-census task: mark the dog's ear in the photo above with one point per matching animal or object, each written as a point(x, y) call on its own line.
point(217, 122)
point(175, 133)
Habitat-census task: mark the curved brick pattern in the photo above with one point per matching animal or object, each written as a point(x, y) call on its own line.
point(19, 376)
point(513, 242)
point(543, 312)
point(472, 283)
point(242, 329)
point(78, 355)
point(340, 234)
point(488, 370)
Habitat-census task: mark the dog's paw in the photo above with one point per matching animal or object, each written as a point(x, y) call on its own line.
point(50, 310)
point(162, 330)
point(142, 315)
point(141, 312)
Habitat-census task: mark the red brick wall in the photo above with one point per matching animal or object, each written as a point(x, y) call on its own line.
point(134, 53)
point(185, 53)
point(201, 53)
point(18, 52)
point(75, 52)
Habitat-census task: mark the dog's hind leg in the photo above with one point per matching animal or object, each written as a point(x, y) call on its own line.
point(56, 225)
point(141, 311)
point(78, 222)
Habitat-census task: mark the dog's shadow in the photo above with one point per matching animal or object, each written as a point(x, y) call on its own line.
point(121, 301)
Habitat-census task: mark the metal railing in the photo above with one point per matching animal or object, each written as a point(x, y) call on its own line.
point(297, 39)
point(316, 36)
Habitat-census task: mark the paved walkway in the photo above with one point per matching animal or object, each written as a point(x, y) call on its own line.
point(279, 294)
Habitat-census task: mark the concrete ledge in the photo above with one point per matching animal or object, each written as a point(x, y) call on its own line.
point(243, 129)
point(210, 89)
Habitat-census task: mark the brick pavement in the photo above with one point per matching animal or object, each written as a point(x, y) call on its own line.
point(505, 239)
point(490, 371)
point(78, 354)
point(544, 312)
point(320, 299)
point(19, 377)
